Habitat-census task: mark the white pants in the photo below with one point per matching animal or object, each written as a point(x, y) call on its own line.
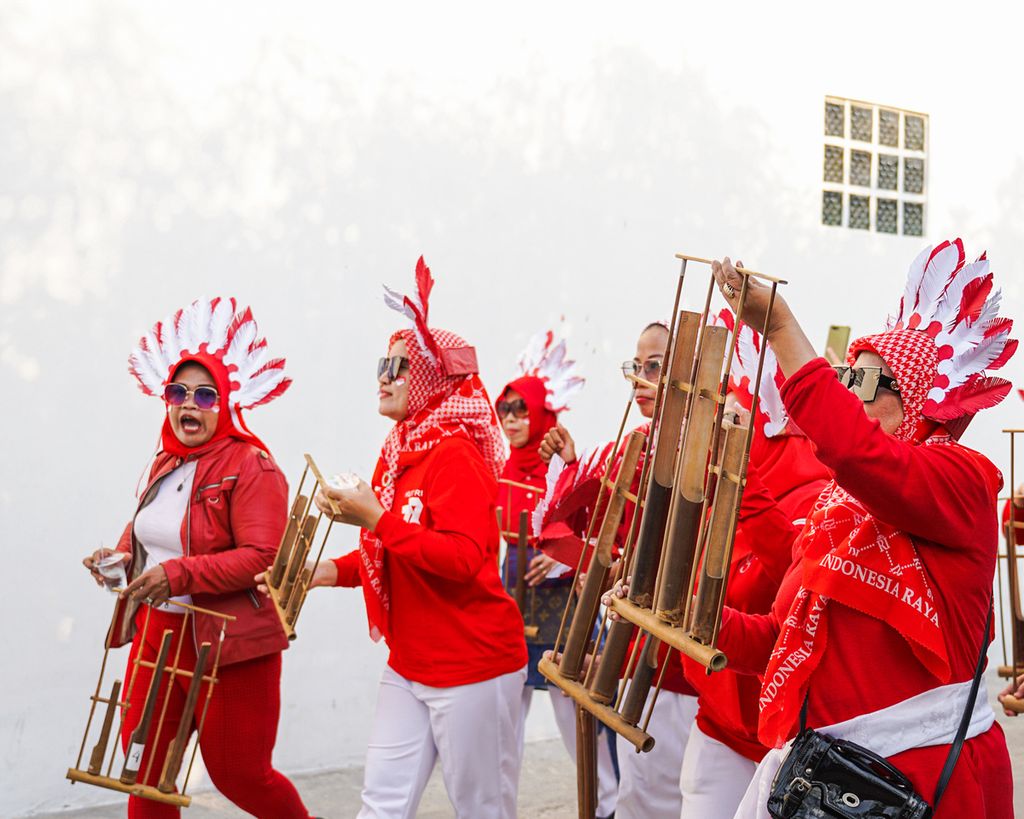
point(472, 728)
point(565, 719)
point(649, 783)
point(714, 778)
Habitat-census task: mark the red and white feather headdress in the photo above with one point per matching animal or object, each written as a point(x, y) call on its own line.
point(546, 359)
point(213, 330)
point(743, 375)
point(445, 351)
point(948, 326)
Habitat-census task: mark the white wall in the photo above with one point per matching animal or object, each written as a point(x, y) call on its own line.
point(546, 163)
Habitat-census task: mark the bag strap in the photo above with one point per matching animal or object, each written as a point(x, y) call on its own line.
point(965, 720)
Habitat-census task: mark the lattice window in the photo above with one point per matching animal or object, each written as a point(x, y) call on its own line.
point(885, 216)
point(860, 212)
point(875, 170)
point(831, 208)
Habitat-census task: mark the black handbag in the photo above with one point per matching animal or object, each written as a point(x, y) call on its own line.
point(826, 778)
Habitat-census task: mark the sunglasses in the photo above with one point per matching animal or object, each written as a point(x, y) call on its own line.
point(651, 369)
point(518, 408)
point(390, 368)
point(864, 382)
point(177, 394)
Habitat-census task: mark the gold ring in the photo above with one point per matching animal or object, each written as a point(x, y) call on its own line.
point(729, 290)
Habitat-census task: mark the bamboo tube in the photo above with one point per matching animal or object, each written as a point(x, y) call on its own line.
point(586, 764)
point(689, 488)
point(640, 683)
point(172, 763)
point(287, 542)
point(600, 563)
point(641, 740)
point(298, 558)
point(721, 532)
point(708, 656)
point(521, 541)
point(100, 750)
point(137, 742)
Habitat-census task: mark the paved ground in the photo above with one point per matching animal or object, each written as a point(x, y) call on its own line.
point(335, 794)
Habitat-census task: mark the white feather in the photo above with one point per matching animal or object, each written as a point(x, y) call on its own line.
point(914, 276)
point(253, 390)
point(238, 349)
point(220, 321)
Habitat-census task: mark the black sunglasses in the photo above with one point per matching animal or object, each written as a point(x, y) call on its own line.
point(651, 368)
point(390, 368)
point(177, 394)
point(864, 382)
point(518, 408)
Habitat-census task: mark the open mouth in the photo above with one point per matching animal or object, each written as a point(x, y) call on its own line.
point(190, 424)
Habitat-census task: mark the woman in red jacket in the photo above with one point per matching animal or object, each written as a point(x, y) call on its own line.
point(878, 626)
point(784, 478)
point(648, 783)
point(428, 565)
point(212, 513)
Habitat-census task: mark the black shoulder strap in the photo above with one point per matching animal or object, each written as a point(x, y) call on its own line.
point(965, 720)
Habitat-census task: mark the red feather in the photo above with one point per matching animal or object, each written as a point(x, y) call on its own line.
point(973, 299)
point(238, 321)
point(424, 284)
point(999, 325)
point(977, 394)
point(1004, 356)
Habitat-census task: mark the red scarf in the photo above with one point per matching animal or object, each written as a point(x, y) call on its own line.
point(229, 420)
point(852, 558)
point(440, 407)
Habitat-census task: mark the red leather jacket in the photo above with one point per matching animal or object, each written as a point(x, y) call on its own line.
point(235, 517)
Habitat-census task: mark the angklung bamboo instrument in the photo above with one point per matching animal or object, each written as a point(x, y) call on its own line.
point(519, 540)
point(165, 671)
point(692, 486)
point(1010, 598)
point(289, 576)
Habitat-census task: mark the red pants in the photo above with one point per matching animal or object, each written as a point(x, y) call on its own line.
point(239, 733)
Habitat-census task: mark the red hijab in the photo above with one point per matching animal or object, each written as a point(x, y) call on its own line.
point(229, 424)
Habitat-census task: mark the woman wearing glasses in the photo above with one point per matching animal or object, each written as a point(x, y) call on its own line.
point(212, 514)
point(528, 407)
point(427, 563)
point(648, 783)
point(876, 630)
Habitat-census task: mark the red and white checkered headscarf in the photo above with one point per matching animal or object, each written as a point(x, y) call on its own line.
point(946, 335)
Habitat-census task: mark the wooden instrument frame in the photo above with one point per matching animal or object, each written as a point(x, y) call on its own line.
point(1011, 609)
point(525, 596)
point(166, 671)
point(710, 478)
point(288, 579)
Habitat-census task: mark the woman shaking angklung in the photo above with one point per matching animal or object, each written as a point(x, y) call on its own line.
point(212, 514)
point(528, 407)
point(428, 565)
point(648, 783)
point(784, 479)
point(877, 627)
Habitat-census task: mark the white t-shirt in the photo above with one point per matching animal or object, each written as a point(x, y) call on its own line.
point(158, 524)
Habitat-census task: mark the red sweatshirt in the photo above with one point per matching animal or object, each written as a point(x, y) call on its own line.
point(944, 497)
point(727, 708)
point(451, 622)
